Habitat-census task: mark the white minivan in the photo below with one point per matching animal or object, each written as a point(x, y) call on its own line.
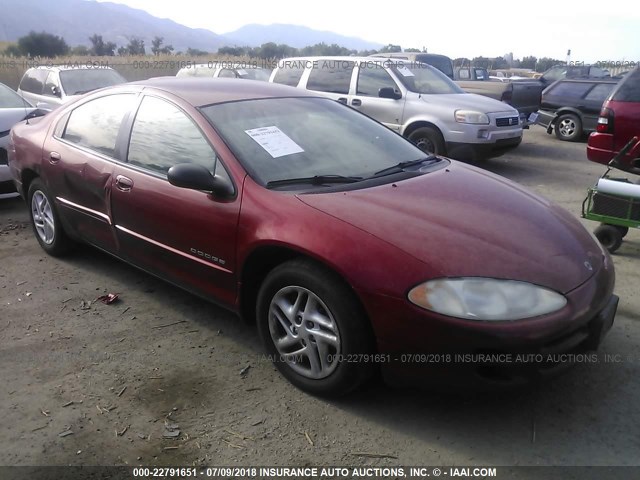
point(48, 87)
point(414, 99)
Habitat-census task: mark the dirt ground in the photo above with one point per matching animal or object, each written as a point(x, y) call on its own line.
point(84, 383)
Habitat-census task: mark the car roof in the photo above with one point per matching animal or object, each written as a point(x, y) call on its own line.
point(200, 91)
point(377, 60)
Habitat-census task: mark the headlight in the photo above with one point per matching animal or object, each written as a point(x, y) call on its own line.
point(486, 298)
point(470, 116)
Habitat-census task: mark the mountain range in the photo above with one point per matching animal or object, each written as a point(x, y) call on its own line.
point(77, 20)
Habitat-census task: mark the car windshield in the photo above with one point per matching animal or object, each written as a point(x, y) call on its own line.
point(75, 82)
point(423, 78)
point(297, 138)
point(10, 99)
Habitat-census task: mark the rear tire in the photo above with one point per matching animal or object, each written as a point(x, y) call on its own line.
point(46, 222)
point(609, 236)
point(314, 329)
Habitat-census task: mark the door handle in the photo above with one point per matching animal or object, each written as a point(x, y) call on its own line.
point(54, 157)
point(356, 102)
point(124, 183)
point(342, 100)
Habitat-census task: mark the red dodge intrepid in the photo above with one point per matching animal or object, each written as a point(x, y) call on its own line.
point(353, 250)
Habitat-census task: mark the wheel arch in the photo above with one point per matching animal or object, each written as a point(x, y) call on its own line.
point(569, 110)
point(27, 176)
point(412, 127)
point(263, 260)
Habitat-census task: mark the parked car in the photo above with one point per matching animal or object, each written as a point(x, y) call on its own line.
point(619, 122)
point(560, 72)
point(441, 62)
point(225, 70)
point(571, 107)
point(49, 87)
point(523, 95)
point(352, 248)
point(13, 109)
point(414, 99)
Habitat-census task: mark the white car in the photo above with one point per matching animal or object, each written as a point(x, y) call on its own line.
point(49, 87)
point(415, 100)
point(13, 109)
point(226, 70)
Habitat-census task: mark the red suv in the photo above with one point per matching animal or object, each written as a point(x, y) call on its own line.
point(619, 122)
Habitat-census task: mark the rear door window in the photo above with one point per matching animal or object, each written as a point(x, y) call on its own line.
point(289, 74)
point(95, 124)
point(570, 89)
point(600, 92)
point(331, 76)
point(629, 88)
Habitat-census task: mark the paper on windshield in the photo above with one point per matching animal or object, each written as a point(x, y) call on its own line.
point(274, 141)
point(405, 72)
point(242, 72)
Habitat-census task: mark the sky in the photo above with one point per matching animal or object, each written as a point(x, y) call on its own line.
point(607, 31)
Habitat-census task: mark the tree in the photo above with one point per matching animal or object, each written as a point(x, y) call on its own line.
point(323, 49)
point(42, 45)
point(461, 62)
point(233, 51)
point(481, 61)
point(499, 63)
point(80, 51)
point(194, 52)
point(413, 50)
point(99, 48)
point(13, 50)
point(135, 47)
point(545, 63)
point(274, 50)
point(158, 49)
point(528, 62)
point(390, 49)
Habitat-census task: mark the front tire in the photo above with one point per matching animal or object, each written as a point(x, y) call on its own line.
point(568, 127)
point(46, 222)
point(429, 140)
point(313, 329)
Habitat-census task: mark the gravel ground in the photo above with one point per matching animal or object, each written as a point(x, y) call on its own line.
point(84, 383)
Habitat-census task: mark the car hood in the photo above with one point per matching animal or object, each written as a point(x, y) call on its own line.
point(10, 116)
point(462, 221)
point(469, 101)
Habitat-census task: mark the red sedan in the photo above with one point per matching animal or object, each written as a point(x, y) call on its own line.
point(352, 249)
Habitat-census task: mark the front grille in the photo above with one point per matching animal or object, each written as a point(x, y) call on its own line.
point(507, 121)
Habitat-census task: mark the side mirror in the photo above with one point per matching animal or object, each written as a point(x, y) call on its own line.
point(196, 177)
point(388, 92)
point(56, 91)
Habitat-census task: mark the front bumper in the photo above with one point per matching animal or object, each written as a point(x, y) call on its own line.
point(420, 347)
point(479, 151)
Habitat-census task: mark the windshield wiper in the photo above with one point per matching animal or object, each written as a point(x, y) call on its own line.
point(400, 167)
point(315, 180)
